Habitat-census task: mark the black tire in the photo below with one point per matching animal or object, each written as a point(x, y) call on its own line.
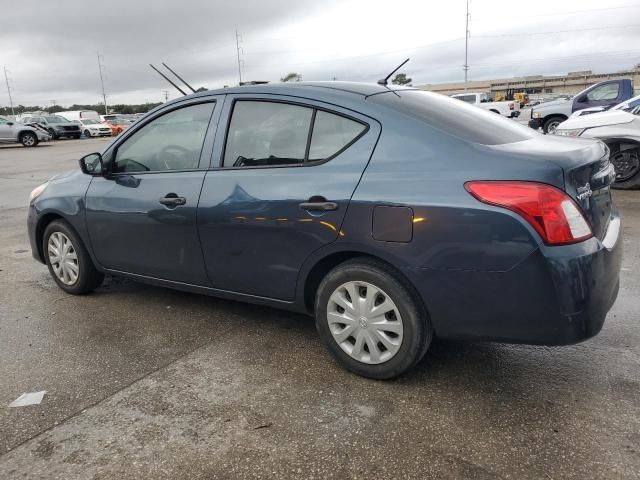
point(551, 123)
point(28, 139)
point(89, 278)
point(417, 332)
point(53, 134)
point(625, 158)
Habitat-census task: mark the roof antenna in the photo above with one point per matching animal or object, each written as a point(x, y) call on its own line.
point(167, 79)
point(179, 77)
point(384, 81)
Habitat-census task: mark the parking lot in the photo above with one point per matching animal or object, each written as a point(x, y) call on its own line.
point(145, 381)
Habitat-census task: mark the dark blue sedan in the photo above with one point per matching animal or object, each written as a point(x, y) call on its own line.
point(391, 215)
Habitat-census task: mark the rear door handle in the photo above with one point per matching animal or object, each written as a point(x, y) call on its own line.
point(172, 200)
point(319, 206)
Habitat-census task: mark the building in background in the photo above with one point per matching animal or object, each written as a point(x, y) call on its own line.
point(553, 85)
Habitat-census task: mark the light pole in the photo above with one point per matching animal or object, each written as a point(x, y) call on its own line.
point(6, 78)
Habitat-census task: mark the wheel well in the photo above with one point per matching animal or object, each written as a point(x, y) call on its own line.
point(40, 228)
point(23, 132)
point(554, 115)
point(324, 266)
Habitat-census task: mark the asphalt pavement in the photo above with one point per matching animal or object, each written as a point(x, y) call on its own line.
point(145, 382)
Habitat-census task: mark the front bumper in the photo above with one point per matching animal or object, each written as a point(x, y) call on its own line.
point(32, 225)
point(535, 123)
point(96, 133)
point(557, 296)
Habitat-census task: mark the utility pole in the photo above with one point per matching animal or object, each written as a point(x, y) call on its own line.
point(466, 48)
point(166, 95)
point(6, 78)
point(104, 95)
point(238, 48)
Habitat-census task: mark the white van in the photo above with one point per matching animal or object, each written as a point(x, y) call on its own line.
point(73, 115)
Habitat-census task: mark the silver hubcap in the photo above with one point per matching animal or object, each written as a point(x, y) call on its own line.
point(552, 127)
point(28, 140)
point(365, 322)
point(63, 258)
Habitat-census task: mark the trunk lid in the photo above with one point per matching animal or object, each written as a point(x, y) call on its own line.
point(588, 174)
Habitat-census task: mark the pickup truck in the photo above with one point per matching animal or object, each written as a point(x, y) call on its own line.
point(549, 115)
point(508, 109)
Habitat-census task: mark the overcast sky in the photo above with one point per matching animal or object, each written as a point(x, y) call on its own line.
point(50, 47)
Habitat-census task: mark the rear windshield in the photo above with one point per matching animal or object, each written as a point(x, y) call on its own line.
point(455, 117)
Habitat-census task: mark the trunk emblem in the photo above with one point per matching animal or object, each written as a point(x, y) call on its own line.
point(584, 192)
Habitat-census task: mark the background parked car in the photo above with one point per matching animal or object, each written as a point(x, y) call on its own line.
point(15, 132)
point(92, 127)
point(56, 125)
point(72, 115)
point(508, 109)
point(118, 125)
point(620, 130)
point(627, 106)
point(549, 115)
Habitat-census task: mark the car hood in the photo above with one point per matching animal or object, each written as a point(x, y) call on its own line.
point(552, 103)
point(611, 117)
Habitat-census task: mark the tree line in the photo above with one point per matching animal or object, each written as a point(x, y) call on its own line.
point(117, 108)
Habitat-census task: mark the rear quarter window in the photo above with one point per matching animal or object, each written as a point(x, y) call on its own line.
point(454, 117)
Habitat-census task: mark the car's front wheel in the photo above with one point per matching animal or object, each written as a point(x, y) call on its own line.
point(371, 320)
point(68, 260)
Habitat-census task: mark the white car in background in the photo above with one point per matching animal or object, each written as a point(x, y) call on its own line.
point(627, 106)
point(92, 127)
point(620, 130)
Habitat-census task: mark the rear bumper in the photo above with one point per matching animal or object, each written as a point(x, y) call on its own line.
point(556, 296)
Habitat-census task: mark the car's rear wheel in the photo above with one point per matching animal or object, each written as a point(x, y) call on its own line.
point(68, 260)
point(625, 158)
point(371, 320)
point(29, 139)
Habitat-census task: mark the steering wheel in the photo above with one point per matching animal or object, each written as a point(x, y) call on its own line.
point(175, 152)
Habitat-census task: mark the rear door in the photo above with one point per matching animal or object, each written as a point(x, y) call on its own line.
point(283, 174)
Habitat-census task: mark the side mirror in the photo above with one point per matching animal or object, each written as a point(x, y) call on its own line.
point(581, 99)
point(10, 123)
point(92, 164)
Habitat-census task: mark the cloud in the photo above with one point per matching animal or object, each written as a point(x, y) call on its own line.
point(53, 54)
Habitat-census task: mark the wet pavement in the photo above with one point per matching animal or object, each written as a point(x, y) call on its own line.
point(144, 382)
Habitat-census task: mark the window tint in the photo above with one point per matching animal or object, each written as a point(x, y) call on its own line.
point(267, 133)
point(466, 98)
point(456, 118)
point(331, 133)
point(608, 91)
point(170, 142)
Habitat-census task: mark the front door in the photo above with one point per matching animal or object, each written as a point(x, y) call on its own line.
point(6, 130)
point(284, 174)
point(142, 217)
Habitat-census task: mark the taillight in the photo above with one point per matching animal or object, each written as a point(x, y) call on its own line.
point(553, 214)
point(511, 106)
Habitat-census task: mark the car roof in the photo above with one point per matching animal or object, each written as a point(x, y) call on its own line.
point(354, 88)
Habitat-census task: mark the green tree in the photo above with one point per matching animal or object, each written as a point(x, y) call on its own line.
point(292, 77)
point(401, 79)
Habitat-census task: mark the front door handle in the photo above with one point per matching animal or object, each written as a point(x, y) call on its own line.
point(319, 206)
point(172, 200)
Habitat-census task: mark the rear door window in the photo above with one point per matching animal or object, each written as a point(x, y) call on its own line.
point(332, 134)
point(267, 134)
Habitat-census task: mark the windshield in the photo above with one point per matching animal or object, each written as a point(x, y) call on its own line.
point(90, 122)
point(628, 104)
point(454, 117)
point(56, 119)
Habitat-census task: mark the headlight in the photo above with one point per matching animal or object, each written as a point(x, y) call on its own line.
point(569, 132)
point(536, 115)
point(36, 192)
